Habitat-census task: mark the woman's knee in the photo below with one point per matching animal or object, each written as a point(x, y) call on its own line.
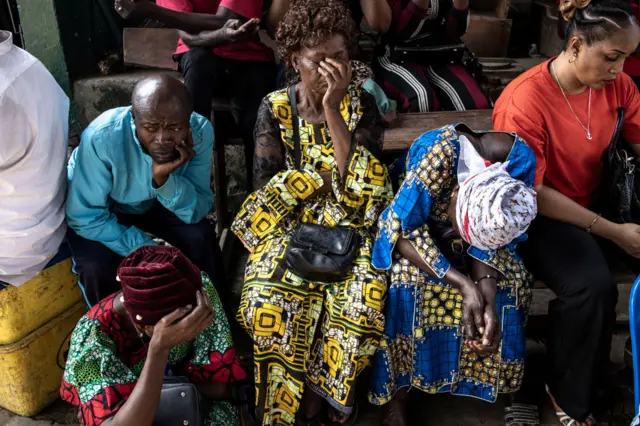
point(259, 313)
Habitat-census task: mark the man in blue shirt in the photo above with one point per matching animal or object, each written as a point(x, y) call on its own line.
point(142, 170)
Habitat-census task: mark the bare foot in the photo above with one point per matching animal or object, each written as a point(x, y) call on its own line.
point(311, 406)
point(394, 412)
point(337, 416)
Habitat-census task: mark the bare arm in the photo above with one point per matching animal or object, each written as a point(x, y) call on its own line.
point(487, 279)
point(233, 31)
point(184, 21)
point(276, 12)
point(341, 137)
point(208, 39)
point(377, 14)
point(338, 76)
point(453, 277)
point(141, 407)
point(472, 301)
point(555, 205)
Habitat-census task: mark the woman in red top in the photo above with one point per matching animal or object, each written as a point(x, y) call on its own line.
point(632, 66)
point(566, 110)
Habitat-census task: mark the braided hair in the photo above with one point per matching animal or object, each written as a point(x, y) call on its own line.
point(594, 20)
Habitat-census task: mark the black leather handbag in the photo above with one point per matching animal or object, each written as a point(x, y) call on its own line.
point(620, 201)
point(416, 54)
point(179, 403)
point(456, 53)
point(316, 252)
point(451, 245)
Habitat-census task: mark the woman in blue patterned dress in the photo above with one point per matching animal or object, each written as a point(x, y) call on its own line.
point(446, 331)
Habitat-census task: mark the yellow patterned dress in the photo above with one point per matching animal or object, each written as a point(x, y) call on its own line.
point(280, 310)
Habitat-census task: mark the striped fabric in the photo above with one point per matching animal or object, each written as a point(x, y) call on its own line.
point(427, 87)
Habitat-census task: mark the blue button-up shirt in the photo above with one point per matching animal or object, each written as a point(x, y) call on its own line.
point(109, 172)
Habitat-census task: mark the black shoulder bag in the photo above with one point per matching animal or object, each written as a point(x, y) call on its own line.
point(316, 252)
point(620, 202)
point(179, 403)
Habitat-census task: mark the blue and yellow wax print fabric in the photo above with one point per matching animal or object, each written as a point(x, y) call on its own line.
point(312, 334)
point(423, 344)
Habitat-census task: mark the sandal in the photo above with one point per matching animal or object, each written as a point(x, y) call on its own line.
point(565, 419)
point(521, 414)
point(568, 421)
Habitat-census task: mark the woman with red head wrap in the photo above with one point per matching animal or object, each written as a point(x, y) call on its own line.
point(167, 318)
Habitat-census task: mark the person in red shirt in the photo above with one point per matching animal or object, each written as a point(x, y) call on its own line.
point(220, 55)
point(632, 65)
point(566, 110)
point(376, 14)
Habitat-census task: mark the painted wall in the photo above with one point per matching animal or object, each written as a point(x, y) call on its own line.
point(42, 37)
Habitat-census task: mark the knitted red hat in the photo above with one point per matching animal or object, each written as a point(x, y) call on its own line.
point(157, 280)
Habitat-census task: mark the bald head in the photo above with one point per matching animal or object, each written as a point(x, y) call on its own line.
point(161, 109)
point(158, 90)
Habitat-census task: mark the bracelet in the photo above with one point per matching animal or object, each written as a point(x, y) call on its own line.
point(590, 228)
point(486, 277)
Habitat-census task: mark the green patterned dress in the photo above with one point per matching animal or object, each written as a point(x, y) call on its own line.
point(104, 365)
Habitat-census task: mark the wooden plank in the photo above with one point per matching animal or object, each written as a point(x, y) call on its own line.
point(150, 47)
point(550, 44)
point(408, 127)
point(488, 35)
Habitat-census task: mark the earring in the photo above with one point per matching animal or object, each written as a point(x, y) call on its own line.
point(573, 58)
point(140, 335)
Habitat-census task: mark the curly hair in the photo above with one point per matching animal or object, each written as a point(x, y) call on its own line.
point(310, 23)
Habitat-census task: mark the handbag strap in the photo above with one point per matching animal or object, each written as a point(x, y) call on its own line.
point(618, 129)
point(297, 151)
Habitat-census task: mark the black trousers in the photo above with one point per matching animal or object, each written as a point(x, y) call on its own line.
point(245, 83)
point(574, 265)
point(96, 265)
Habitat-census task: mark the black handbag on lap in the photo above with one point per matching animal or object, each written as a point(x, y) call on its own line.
point(451, 245)
point(620, 201)
point(179, 403)
point(416, 54)
point(316, 252)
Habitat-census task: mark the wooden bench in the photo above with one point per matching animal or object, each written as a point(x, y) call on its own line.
point(408, 127)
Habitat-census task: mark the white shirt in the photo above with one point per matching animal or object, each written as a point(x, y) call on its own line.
point(34, 113)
